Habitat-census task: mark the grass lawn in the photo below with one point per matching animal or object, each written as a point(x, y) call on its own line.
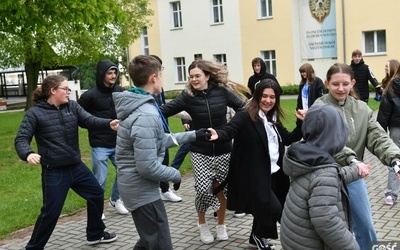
point(20, 183)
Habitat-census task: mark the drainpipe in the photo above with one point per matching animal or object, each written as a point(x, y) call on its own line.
point(344, 33)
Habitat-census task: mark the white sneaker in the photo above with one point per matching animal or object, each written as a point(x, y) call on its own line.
point(103, 217)
point(389, 200)
point(119, 206)
point(205, 235)
point(221, 232)
point(170, 196)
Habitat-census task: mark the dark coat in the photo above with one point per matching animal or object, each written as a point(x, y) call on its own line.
point(389, 109)
point(249, 178)
point(316, 90)
point(208, 110)
point(363, 74)
point(56, 132)
point(98, 102)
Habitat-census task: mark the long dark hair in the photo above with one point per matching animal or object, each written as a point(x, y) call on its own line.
point(253, 106)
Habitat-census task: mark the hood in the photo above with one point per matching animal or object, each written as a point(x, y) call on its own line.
point(358, 64)
point(102, 67)
point(325, 127)
point(128, 101)
point(263, 70)
point(302, 158)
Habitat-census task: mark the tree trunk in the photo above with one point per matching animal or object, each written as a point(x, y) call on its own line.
point(32, 74)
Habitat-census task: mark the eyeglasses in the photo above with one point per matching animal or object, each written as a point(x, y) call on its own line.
point(66, 89)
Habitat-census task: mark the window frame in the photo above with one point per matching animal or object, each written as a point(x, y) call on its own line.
point(375, 42)
point(180, 69)
point(264, 6)
point(176, 15)
point(220, 58)
point(269, 57)
point(217, 10)
point(144, 40)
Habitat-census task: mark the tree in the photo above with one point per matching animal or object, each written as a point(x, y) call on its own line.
point(42, 33)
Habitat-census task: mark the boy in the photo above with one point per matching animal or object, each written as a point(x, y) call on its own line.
point(362, 74)
point(141, 145)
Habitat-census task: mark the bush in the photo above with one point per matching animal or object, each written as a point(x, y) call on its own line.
point(290, 90)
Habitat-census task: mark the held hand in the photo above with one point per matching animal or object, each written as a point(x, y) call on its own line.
point(214, 135)
point(363, 169)
point(396, 168)
point(114, 124)
point(203, 134)
point(33, 159)
point(186, 126)
point(300, 114)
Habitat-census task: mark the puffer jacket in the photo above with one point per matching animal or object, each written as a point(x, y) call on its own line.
point(98, 102)
point(389, 109)
point(56, 132)
point(316, 213)
point(208, 110)
point(140, 149)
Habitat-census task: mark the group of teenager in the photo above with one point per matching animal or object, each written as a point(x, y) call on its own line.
point(314, 188)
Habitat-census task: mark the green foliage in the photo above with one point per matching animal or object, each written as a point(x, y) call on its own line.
point(41, 34)
point(290, 90)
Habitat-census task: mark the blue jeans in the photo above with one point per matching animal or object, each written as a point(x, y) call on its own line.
point(180, 156)
point(55, 185)
point(363, 226)
point(100, 158)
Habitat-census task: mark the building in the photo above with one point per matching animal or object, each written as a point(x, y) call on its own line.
point(285, 33)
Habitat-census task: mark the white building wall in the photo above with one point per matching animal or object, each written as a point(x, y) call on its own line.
point(199, 36)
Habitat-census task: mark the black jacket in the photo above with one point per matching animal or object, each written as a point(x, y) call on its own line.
point(56, 132)
point(363, 74)
point(389, 109)
point(258, 77)
point(98, 102)
point(316, 90)
point(207, 109)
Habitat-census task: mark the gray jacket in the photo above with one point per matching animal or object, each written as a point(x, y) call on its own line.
point(316, 214)
point(141, 144)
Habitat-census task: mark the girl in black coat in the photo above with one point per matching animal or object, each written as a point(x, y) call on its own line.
point(256, 182)
point(311, 87)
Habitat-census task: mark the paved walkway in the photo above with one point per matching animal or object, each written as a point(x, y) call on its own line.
point(70, 231)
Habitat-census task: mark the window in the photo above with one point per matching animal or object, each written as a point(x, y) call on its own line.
point(145, 41)
point(270, 61)
point(180, 69)
point(216, 11)
point(221, 58)
point(198, 56)
point(375, 42)
point(176, 14)
point(264, 8)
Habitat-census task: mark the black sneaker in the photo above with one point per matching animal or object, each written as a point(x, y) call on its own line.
point(252, 243)
point(262, 243)
point(107, 238)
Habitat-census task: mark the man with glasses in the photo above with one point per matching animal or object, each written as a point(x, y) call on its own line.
point(98, 102)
